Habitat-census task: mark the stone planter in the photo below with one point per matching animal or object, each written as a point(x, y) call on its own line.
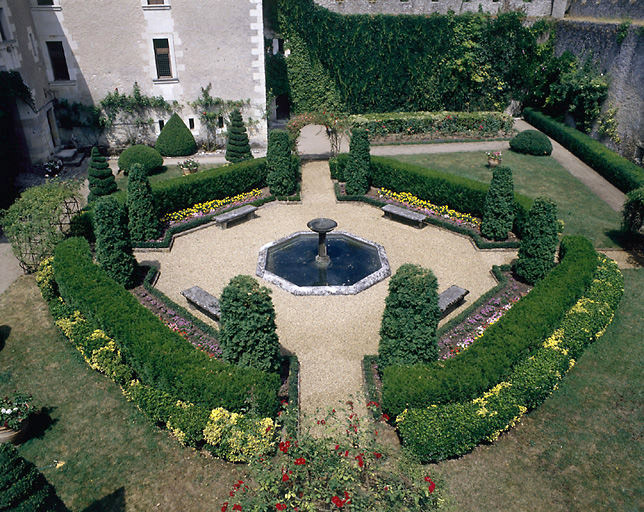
point(493, 162)
point(185, 171)
point(8, 435)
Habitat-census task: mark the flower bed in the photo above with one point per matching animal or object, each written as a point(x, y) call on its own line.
point(211, 207)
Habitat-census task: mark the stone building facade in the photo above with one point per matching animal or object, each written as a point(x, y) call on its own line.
point(83, 50)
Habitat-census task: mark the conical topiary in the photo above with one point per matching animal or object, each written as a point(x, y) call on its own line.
point(358, 166)
point(113, 245)
point(237, 147)
point(539, 243)
point(498, 214)
point(23, 487)
point(101, 179)
point(142, 219)
point(176, 139)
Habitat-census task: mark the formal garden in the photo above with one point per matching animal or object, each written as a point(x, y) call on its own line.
point(124, 390)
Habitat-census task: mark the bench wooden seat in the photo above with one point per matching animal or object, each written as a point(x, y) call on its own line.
point(451, 298)
point(236, 214)
point(396, 211)
point(203, 300)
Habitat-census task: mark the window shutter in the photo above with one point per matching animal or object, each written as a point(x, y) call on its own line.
point(58, 61)
point(162, 57)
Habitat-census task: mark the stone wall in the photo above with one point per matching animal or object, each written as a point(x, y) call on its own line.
point(624, 63)
point(531, 8)
point(609, 9)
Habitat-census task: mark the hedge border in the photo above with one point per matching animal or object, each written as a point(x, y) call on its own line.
point(521, 329)
point(622, 173)
point(439, 432)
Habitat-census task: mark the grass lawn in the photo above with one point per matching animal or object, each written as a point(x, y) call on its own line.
point(165, 173)
point(582, 449)
point(581, 210)
point(115, 460)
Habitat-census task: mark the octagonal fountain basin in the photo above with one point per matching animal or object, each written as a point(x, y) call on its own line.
point(351, 264)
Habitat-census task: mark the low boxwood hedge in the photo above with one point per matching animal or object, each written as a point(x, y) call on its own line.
point(531, 142)
point(514, 337)
point(625, 175)
point(159, 357)
point(440, 431)
point(461, 194)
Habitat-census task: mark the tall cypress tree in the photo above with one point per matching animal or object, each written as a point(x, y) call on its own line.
point(498, 213)
point(101, 179)
point(142, 219)
point(237, 147)
point(23, 487)
point(281, 176)
point(539, 243)
point(113, 245)
point(358, 167)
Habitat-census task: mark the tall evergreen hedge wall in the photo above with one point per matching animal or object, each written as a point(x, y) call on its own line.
point(367, 63)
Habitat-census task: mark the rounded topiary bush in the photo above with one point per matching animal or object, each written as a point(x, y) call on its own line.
point(176, 139)
point(531, 142)
point(148, 157)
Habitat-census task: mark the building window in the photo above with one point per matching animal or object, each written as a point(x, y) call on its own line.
point(161, 124)
point(162, 58)
point(191, 123)
point(156, 2)
point(45, 2)
point(3, 33)
point(57, 59)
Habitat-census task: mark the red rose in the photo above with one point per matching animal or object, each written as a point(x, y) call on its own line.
point(284, 477)
point(300, 462)
point(280, 506)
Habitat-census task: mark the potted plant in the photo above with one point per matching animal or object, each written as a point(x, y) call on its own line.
point(189, 166)
point(14, 413)
point(493, 158)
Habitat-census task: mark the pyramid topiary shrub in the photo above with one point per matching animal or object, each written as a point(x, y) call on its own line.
point(143, 222)
point(113, 245)
point(539, 243)
point(498, 215)
point(633, 212)
point(410, 319)
point(531, 142)
point(237, 147)
point(23, 487)
point(176, 139)
point(357, 172)
point(101, 179)
point(247, 335)
point(281, 177)
point(148, 157)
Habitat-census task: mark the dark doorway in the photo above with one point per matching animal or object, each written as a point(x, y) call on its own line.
point(283, 107)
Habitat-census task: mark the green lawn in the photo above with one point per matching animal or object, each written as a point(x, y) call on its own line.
point(581, 450)
point(581, 210)
point(165, 173)
point(115, 460)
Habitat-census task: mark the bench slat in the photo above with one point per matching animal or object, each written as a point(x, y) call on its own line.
point(203, 300)
point(397, 211)
point(451, 298)
point(238, 213)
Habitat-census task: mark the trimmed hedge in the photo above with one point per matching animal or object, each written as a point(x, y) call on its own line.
point(176, 139)
point(435, 124)
point(158, 356)
point(148, 157)
point(461, 194)
point(499, 205)
point(622, 173)
point(531, 142)
point(282, 174)
point(504, 344)
point(358, 167)
point(440, 431)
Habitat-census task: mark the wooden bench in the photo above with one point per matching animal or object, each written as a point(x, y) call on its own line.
point(239, 213)
point(203, 300)
point(396, 211)
point(451, 299)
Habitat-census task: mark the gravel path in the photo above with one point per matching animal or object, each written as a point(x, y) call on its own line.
point(330, 335)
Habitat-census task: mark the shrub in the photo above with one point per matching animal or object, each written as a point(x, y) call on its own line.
point(176, 139)
point(505, 343)
point(23, 487)
point(247, 335)
point(101, 179)
point(633, 211)
point(38, 220)
point(539, 242)
point(498, 215)
point(358, 167)
point(281, 177)
point(159, 357)
point(148, 157)
point(440, 431)
point(143, 221)
point(113, 244)
point(410, 319)
point(237, 147)
point(531, 142)
point(620, 172)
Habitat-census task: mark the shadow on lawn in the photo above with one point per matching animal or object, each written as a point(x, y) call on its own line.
point(633, 243)
point(39, 423)
point(5, 330)
point(113, 502)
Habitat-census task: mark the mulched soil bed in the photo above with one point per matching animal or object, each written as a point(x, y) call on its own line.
point(419, 138)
